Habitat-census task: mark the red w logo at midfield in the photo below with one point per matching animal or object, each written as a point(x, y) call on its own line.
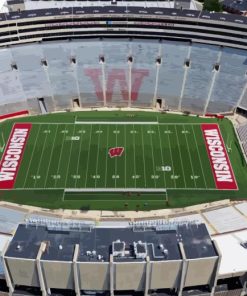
point(116, 151)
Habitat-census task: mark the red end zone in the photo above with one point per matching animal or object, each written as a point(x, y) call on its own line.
point(222, 170)
point(13, 154)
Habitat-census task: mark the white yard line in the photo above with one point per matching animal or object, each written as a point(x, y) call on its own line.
point(152, 148)
point(180, 156)
point(112, 189)
point(70, 151)
point(97, 159)
point(143, 154)
point(189, 156)
point(54, 141)
point(106, 155)
point(60, 156)
point(89, 144)
point(174, 180)
point(161, 150)
point(180, 123)
point(35, 143)
point(199, 157)
point(78, 162)
point(41, 156)
point(118, 122)
point(169, 188)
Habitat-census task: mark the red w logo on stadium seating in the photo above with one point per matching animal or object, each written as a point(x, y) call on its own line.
point(116, 151)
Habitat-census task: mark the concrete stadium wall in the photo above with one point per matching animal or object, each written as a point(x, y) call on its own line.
point(58, 275)
point(130, 276)
point(198, 88)
point(94, 276)
point(207, 269)
point(165, 274)
point(23, 272)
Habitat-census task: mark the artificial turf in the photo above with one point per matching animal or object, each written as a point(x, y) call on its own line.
point(166, 151)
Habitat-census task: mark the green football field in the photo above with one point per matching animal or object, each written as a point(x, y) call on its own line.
point(72, 163)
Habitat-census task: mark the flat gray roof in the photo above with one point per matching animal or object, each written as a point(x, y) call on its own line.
point(96, 245)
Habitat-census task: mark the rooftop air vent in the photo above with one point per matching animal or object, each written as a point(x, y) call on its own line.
point(140, 250)
point(118, 248)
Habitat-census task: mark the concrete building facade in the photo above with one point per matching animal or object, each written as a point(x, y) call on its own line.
point(112, 261)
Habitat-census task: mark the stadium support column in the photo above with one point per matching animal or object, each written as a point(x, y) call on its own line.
point(147, 279)
point(183, 271)
point(74, 69)
point(111, 276)
point(6, 272)
point(103, 81)
point(130, 82)
point(156, 84)
point(215, 274)
point(242, 95)
point(75, 270)
point(184, 80)
point(18, 74)
point(243, 280)
point(39, 269)
point(212, 84)
point(47, 75)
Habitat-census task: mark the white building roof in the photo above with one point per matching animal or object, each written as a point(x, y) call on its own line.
point(234, 256)
point(3, 7)
point(4, 239)
point(226, 219)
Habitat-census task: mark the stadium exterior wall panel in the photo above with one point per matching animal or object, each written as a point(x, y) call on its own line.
point(94, 276)
point(116, 82)
point(58, 275)
point(23, 272)
point(207, 267)
point(130, 276)
point(160, 277)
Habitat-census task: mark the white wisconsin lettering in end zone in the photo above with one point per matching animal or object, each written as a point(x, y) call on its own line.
point(222, 170)
point(13, 154)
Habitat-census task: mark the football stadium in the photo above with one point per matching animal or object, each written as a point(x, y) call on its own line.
point(123, 149)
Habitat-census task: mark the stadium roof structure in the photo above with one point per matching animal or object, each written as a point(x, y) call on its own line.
point(34, 4)
point(138, 10)
point(100, 242)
